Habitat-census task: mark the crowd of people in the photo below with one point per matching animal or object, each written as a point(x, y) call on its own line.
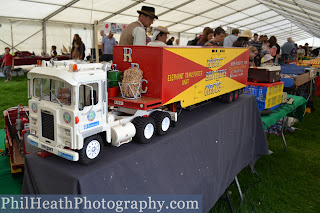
point(263, 50)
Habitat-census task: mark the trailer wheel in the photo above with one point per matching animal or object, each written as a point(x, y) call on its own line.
point(91, 150)
point(145, 128)
point(162, 121)
point(227, 98)
point(235, 95)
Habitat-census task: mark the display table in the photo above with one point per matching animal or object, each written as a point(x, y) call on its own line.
point(33, 59)
point(297, 81)
point(208, 147)
point(293, 110)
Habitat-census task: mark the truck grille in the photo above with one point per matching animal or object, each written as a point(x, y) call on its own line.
point(47, 125)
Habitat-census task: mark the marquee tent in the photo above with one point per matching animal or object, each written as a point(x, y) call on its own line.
point(35, 25)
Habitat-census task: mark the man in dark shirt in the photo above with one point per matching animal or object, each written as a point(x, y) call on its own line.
point(53, 52)
point(315, 52)
point(255, 42)
point(170, 41)
point(306, 49)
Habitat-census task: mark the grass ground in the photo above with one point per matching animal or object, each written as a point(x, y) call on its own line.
point(13, 93)
point(290, 180)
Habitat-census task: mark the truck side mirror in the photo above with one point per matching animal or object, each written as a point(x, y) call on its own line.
point(28, 84)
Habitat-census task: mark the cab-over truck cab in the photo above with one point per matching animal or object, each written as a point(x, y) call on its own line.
point(69, 114)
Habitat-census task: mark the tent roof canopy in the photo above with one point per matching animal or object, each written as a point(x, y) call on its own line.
point(299, 19)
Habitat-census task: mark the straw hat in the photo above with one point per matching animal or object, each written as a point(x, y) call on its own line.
point(157, 31)
point(162, 29)
point(267, 57)
point(149, 11)
point(246, 33)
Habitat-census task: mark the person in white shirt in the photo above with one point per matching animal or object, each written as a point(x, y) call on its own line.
point(230, 39)
point(135, 33)
point(159, 37)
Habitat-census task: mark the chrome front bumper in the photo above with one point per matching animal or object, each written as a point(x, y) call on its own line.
point(64, 153)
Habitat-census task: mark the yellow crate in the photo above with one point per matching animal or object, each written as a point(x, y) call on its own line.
point(268, 95)
point(274, 95)
point(275, 90)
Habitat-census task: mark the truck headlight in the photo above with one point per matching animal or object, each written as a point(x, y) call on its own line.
point(34, 121)
point(67, 132)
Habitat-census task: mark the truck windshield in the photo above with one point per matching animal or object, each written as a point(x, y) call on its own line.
point(52, 90)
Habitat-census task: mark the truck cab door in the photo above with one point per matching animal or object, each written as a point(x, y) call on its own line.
point(90, 107)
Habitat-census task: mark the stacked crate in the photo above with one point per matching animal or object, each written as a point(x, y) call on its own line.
point(268, 95)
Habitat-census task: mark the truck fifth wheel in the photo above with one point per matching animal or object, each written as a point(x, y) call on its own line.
point(73, 114)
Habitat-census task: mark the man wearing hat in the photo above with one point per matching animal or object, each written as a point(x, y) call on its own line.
point(243, 40)
point(228, 41)
point(159, 37)
point(135, 33)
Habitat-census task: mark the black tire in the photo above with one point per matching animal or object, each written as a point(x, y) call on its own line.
point(159, 117)
point(141, 123)
point(235, 95)
point(227, 98)
point(83, 155)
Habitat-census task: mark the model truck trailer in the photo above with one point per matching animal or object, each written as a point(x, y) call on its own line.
point(72, 115)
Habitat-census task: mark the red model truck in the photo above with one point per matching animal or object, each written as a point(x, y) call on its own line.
point(76, 108)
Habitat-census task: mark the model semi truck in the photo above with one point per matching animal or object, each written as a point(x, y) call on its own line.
point(72, 114)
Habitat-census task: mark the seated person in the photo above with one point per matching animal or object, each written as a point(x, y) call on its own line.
point(159, 37)
point(268, 60)
point(64, 96)
point(54, 52)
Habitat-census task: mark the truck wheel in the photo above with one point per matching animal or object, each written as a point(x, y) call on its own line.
point(227, 98)
point(145, 128)
point(235, 95)
point(162, 121)
point(91, 150)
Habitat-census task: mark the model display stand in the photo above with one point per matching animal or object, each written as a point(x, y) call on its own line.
point(17, 130)
point(77, 127)
point(310, 74)
point(27, 58)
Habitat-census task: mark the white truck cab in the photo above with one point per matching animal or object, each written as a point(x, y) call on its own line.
point(70, 117)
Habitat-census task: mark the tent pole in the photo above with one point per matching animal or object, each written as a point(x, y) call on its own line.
point(44, 37)
point(95, 26)
point(11, 35)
